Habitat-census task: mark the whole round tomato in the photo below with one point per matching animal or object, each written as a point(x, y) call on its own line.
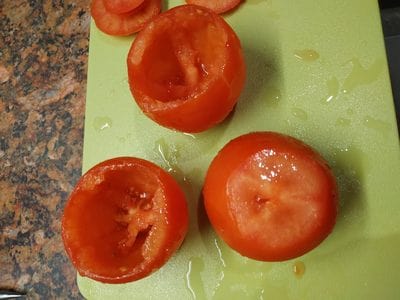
point(270, 197)
point(124, 220)
point(219, 7)
point(186, 69)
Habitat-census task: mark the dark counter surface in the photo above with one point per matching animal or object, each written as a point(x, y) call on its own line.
point(43, 68)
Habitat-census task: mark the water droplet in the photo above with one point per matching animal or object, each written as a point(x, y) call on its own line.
point(299, 268)
point(273, 96)
point(343, 122)
point(378, 125)
point(307, 55)
point(167, 154)
point(299, 113)
point(102, 123)
point(190, 135)
point(221, 258)
point(333, 90)
point(193, 278)
point(360, 75)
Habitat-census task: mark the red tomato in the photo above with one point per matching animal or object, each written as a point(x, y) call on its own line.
point(126, 23)
point(219, 6)
point(124, 220)
point(186, 69)
point(121, 6)
point(270, 197)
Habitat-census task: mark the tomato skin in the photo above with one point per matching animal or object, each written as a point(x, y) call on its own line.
point(299, 200)
point(125, 23)
point(219, 7)
point(179, 42)
point(121, 6)
point(100, 215)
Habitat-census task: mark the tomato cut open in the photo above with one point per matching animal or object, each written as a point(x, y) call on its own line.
point(186, 69)
point(125, 23)
point(124, 219)
point(270, 197)
point(121, 6)
point(219, 6)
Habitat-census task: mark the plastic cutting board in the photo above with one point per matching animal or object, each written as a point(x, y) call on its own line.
point(316, 70)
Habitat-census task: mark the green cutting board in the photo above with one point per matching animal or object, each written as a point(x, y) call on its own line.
point(315, 70)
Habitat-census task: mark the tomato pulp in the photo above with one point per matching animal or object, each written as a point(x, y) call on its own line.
point(219, 7)
point(124, 219)
point(186, 69)
point(270, 196)
point(125, 23)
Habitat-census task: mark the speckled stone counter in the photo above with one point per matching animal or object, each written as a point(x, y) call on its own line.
point(43, 68)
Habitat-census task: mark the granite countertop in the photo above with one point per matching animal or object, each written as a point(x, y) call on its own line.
point(43, 68)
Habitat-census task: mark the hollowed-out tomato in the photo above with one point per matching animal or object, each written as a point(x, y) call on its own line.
point(186, 69)
point(124, 220)
point(219, 7)
point(124, 23)
point(270, 196)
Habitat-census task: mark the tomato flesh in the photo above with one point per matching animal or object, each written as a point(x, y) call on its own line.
point(186, 69)
point(121, 6)
point(125, 23)
point(270, 196)
point(219, 7)
point(124, 220)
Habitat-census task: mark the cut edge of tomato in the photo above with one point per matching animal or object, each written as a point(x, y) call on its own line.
point(219, 7)
point(124, 24)
point(121, 6)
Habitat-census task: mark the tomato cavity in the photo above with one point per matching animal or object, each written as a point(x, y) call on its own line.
point(183, 63)
point(117, 229)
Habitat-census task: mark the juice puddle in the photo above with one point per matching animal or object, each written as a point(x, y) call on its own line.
point(299, 268)
point(343, 122)
point(333, 90)
point(169, 156)
point(360, 75)
point(102, 123)
point(193, 278)
point(240, 277)
point(299, 113)
point(273, 96)
point(307, 55)
point(377, 125)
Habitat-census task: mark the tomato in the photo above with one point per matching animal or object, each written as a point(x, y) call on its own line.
point(270, 197)
point(126, 23)
point(124, 220)
point(186, 69)
point(219, 7)
point(121, 6)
